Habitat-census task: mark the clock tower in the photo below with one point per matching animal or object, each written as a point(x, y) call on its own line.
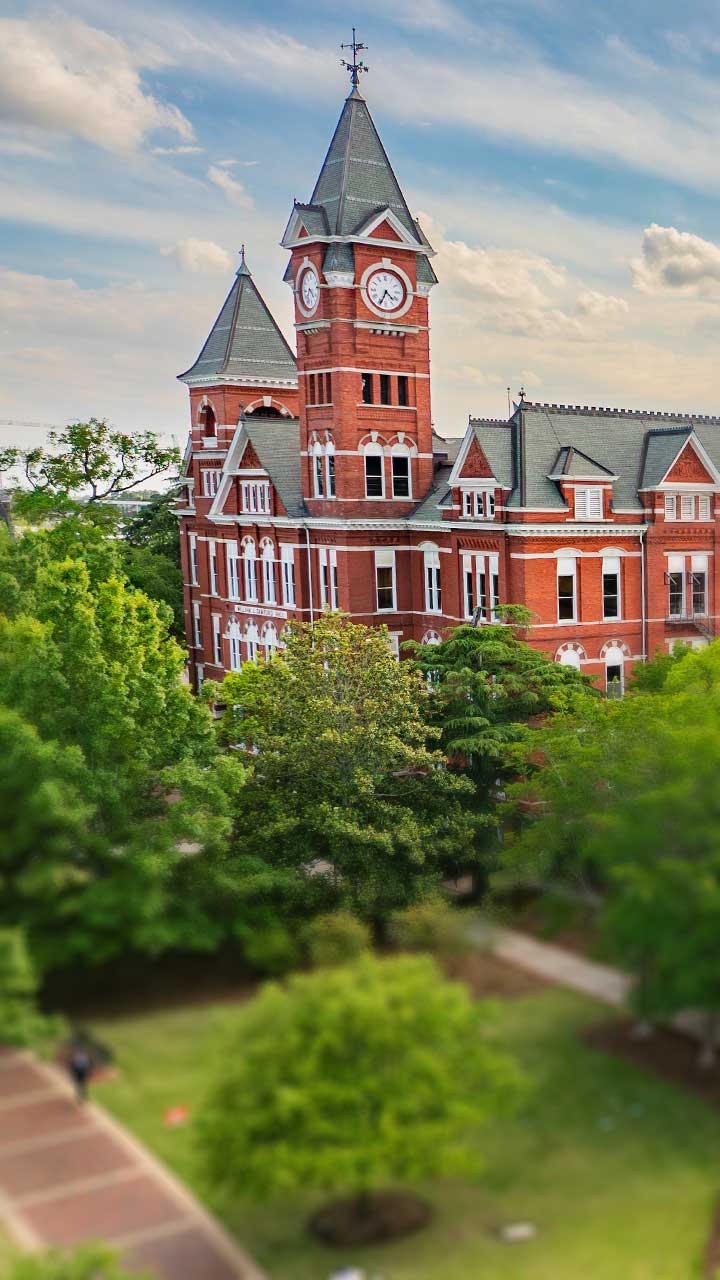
point(361, 277)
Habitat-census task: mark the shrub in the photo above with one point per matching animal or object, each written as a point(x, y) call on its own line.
point(272, 949)
point(336, 939)
point(20, 1021)
point(433, 925)
point(89, 1262)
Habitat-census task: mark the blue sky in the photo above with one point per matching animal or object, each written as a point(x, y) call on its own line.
point(562, 157)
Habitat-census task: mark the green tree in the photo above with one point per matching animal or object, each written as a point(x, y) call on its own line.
point(86, 461)
point(345, 792)
point(354, 1077)
point(89, 1262)
point(20, 1022)
point(625, 799)
point(155, 527)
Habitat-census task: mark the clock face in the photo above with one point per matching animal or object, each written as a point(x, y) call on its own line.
point(309, 289)
point(386, 291)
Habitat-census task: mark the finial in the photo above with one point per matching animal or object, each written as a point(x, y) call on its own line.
point(243, 269)
point(522, 394)
point(355, 68)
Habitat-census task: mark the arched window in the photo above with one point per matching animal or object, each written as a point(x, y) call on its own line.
point(250, 565)
point(268, 566)
point(235, 639)
point(614, 671)
point(269, 640)
point(401, 476)
point(433, 591)
point(207, 420)
point(431, 637)
point(252, 640)
point(318, 471)
point(374, 471)
point(330, 469)
point(569, 658)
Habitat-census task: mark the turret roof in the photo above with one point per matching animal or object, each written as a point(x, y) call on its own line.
point(245, 342)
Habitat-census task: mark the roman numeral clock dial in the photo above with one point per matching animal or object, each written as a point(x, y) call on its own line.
point(386, 290)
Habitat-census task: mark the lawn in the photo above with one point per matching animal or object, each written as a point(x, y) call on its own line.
point(619, 1170)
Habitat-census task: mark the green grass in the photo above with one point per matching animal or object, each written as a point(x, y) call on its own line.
point(619, 1170)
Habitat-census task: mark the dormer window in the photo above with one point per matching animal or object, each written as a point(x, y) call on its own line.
point(210, 482)
point(589, 503)
point(688, 506)
point(478, 504)
point(256, 497)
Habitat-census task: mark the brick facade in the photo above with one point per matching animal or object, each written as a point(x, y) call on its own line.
point(332, 490)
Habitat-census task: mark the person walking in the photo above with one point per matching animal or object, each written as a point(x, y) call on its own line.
point(79, 1066)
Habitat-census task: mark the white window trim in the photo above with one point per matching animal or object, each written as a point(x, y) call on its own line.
point(589, 503)
point(567, 567)
point(616, 566)
point(385, 559)
point(432, 581)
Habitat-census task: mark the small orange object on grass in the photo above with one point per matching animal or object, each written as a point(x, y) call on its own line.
point(175, 1116)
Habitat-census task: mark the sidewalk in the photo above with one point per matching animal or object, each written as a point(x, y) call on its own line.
point(70, 1174)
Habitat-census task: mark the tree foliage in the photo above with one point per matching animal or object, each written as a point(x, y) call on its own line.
point(20, 1021)
point(88, 1262)
point(352, 1077)
point(345, 790)
point(86, 461)
point(624, 796)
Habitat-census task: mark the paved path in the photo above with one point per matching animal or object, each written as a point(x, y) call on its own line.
point(70, 1173)
point(565, 967)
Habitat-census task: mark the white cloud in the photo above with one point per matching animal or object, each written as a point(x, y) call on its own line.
point(199, 255)
point(60, 75)
point(601, 306)
point(678, 261)
point(177, 151)
point(231, 188)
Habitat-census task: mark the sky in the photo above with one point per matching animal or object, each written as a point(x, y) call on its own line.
point(562, 158)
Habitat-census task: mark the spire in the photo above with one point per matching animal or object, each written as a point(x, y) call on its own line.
point(245, 343)
point(355, 68)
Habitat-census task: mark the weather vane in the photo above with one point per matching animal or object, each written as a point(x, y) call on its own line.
point(355, 68)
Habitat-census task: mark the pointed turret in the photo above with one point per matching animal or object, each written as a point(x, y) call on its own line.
point(245, 344)
point(356, 187)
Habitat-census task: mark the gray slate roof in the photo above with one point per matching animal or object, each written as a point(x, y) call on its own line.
point(276, 442)
point(495, 438)
point(245, 342)
point(636, 446)
point(573, 463)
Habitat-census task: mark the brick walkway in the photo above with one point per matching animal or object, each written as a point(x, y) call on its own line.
point(70, 1173)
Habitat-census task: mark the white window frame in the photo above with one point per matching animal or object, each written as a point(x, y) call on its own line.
point(269, 640)
point(704, 506)
point(567, 568)
point(217, 640)
point(268, 572)
point(589, 503)
point(670, 506)
point(676, 565)
point(432, 580)
point(250, 569)
point(401, 451)
point(287, 560)
point(330, 477)
point(233, 571)
point(252, 641)
point(318, 472)
point(210, 481)
point(611, 566)
point(385, 559)
point(197, 630)
point(194, 560)
point(235, 638)
point(213, 563)
point(699, 564)
point(375, 451)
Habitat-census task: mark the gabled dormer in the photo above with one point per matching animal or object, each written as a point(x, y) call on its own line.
point(679, 477)
point(585, 485)
point(260, 477)
point(476, 492)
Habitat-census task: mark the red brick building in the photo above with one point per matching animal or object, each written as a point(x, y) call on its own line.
point(317, 482)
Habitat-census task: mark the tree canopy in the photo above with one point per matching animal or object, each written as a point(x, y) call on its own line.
point(345, 789)
point(353, 1077)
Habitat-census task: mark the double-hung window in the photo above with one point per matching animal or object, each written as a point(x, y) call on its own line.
point(385, 578)
point(210, 481)
point(401, 475)
point(589, 503)
point(232, 571)
point(699, 577)
point(250, 564)
point(433, 589)
point(213, 568)
point(330, 472)
point(193, 560)
point(217, 641)
point(328, 578)
point(611, 587)
point(287, 560)
point(197, 633)
point(566, 590)
point(374, 478)
point(235, 647)
point(268, 564)
point(469, 592)
point(319, 473)
point(676, 586)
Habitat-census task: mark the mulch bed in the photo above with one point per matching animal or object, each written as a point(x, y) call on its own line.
point(666, 1053)
point(386, 1215)
point(487, 975)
